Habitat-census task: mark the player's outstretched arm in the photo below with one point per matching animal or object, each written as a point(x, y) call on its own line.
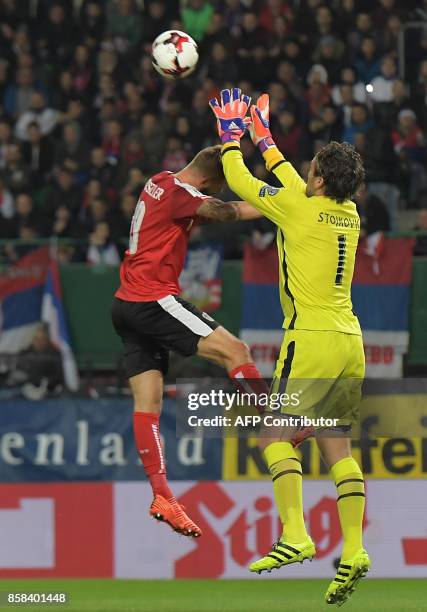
point(259, 130)
point(213, 210)
point(231, 123)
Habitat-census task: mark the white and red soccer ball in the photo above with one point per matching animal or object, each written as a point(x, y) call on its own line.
point(174, 54)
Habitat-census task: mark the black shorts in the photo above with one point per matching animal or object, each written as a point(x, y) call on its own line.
point(149, 330)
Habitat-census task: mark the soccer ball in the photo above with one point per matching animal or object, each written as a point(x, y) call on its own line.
point(174, 54)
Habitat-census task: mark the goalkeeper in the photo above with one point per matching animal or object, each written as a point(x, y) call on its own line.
point(317, 235)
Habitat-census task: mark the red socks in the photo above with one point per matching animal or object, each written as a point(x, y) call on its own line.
point(147, 439)
point(249, 380)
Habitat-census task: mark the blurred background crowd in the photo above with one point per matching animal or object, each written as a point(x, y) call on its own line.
point(84, 119)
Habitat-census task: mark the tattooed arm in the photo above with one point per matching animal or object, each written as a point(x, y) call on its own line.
point(213, 210)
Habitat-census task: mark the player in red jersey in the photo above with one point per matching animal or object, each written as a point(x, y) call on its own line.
point(151, 319)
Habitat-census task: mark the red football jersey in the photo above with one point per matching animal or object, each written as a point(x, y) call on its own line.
point(158, 239)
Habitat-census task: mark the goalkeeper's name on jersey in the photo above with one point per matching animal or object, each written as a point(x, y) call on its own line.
point(338, 221)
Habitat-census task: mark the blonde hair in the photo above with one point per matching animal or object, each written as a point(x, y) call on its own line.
point(208, 163)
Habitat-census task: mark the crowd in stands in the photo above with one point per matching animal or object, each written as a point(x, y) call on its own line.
point(84, 118)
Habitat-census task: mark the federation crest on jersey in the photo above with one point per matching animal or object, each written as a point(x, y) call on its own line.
point(268, 190)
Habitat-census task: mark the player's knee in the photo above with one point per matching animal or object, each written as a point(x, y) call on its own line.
point(147, 403)
point(154, 407)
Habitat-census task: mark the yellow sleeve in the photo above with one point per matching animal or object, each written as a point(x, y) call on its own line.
point(285, 172)
point(270, 201)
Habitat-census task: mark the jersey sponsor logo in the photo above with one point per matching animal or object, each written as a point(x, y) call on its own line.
point(338, 220)
point(269, 190)
point(153, 190)
point(206, 316)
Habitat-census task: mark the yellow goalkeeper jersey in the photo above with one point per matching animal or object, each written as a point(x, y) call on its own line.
point(316, 241)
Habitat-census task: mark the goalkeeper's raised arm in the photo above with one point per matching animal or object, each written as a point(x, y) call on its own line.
point(232, 123)
point(259, 129)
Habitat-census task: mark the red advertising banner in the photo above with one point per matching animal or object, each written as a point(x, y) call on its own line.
point(56, 530)
point(103, 530)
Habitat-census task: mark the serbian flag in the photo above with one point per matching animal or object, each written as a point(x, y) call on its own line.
point(52, 313)
point(21, 293)
point(201, 278)
point(380, 295)
point(262, 317)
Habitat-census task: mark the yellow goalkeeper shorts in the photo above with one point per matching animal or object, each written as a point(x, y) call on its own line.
point(320, 374)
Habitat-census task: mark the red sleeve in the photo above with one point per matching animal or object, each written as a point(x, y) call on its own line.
point(186, 200)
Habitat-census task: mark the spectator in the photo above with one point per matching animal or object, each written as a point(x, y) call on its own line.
point(346, 94)
point(91, 22)
point(132, 155)
point(98, 212)
point(408, 138)
point(324, 21)
point(71, 146)
point(17, 98)
point(287, 135)
point(382, 85)
point(100, 167)
point(81, 71)
point(93, 190)
point(5, 140)
point(373, 212)
point(360, 123)
point(410, 146)
point(16, 174)
point(384, 12)
point(271, 12)
point(40, 366)
point(64, 91)
point(346, 17)
point(155, 22)
point(56, 35)
point(318, 93)
point(183, 131)
point(154, 140)
point(368, 64)
point(219, 67)
point(124, 24)
point(196, 17)
point(127, 208)
point(101, 249)
point(390, 35)
point(64, 225)
point(63, 192)
point(134, 106)
point(175, 157)
point(37, 153)
point(381, 167)
point(363, 30)
point(24, 216)
point(329, 54)
point(292, 52)
point(326, 127)
point(400, 97)
point(112, 141)
point(4, 77)
point(38, 112)
point(7, 205)
point(420, 95)
point(348, 77)
point(135, 182)
point(252, 36)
